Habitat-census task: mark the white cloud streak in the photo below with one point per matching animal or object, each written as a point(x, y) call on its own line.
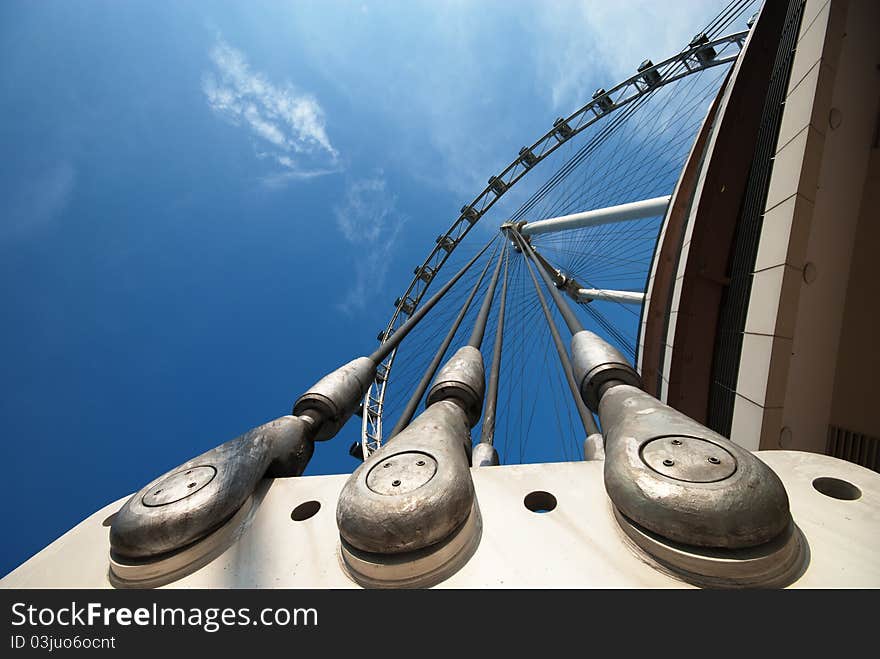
point(466, 63)
point(282, 118)
point(368, 219)
point(611, 37)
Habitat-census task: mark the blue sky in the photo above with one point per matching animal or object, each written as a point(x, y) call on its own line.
point(206, 206)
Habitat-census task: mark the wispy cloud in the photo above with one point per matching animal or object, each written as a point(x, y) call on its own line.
point(288, 124)
point(368, 219)
point(612, 38)
point(441, 98)
point(466, 63)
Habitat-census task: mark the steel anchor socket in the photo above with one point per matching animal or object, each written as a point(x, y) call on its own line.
point(414, 491)
point(595, 362)
point(337, 395)
point(189, 502)
point(680, 480)
point(463, 379)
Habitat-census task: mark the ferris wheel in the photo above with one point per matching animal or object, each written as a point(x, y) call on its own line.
point(591, 224)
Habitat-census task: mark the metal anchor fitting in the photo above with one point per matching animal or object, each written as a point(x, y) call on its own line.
point(193, 500)
point(416, 493)
point(337, 396)
point(669, 473)
point(677, 478)
point(463, 380)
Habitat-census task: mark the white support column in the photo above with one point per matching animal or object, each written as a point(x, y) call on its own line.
point(636, 210)
point(624, 297)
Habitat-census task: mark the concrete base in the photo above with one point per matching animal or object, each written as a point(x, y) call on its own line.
point(577, 544)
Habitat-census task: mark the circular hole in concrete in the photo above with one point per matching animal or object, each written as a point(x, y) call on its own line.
point(837, 489)
point(540, 501)
point(305, 510)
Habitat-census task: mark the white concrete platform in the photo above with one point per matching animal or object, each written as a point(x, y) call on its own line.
point(576, 545)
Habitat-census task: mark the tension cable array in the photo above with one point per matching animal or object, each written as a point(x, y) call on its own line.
point(420, 389)
point(574, 325)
